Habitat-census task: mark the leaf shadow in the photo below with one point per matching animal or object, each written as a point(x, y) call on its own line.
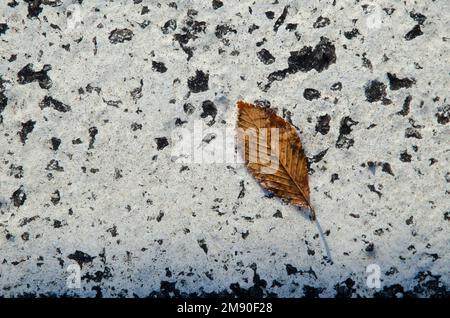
point(306, 214)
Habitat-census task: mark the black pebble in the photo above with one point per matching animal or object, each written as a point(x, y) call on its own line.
point(55, 143)
point(415, 32)
point(159, 67)
point(120, 36)
point(405, 156)
point(370, 247)
point(49, 101)
point(203, 246)
point(216, 4)
point(418, 17)
point(321, 22)
point(346, 125)
point(27, 75)
point(443, 115)
point(291, 270)
point(386, 167)
point(265, 56)
point(278, 214)
point(375, 91)
point(396, 83)
point(334, 177)
point(311, 93)
point(323, 124)
point(34, 8)
point(27, 128)
point(199, 82)
point(81, 257)
point(351, 34)
point(161, 143)
point(270, 15)
point(188, 108)
point(412, 133)
point(319, 58)
point(56, 197)
point(170, 25)
point(3, 28)
point(18, 197)
point(209, 109)
point(336, 86)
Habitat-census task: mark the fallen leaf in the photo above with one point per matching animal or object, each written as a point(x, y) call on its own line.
point(273, 154)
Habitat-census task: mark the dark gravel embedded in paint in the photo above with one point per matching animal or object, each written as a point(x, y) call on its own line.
point(321, 22)
point(54, 165)
point(55, 197)
point(209, 109)
point(318, 157)
point(291, 270)
point(27, 75)
point(386, 167)
point(336, 86)
point(49, 101)
point(161, 143)
point(370, 248)
point(345, 289)
point(319, 58)
point(190, 31)
point(344, 140)
point(27, 128)
point(351, 34)
point(418, 17)
point(170, 25)
point(291, 27)
point(120, 36)
point(405, 156)
point(81, 257)
point(55, 143)
point(93, 131)
point(159, 67)
point(3, 99)
point(265, 57)
point(334, 177)
point(411, 132)
point(34, 8)
point(375, 91)
point(346, 125)
point(443, 114)
point(222, 30)
point(305, 60)
point(278, 214)
point(415, 32)
point(373, 189)
point(396, 83)
point(188, 108)
point(18, 197)
point(3, 28)
point(203, 245)
point(406, 106)
point(311, 94)
point(323, 124)
point(199, 82)
point(216, 4)
point(281, 19)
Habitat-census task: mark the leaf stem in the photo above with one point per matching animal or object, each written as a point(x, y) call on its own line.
point(313, 213)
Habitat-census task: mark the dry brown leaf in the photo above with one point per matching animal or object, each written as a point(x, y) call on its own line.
point(280, 167)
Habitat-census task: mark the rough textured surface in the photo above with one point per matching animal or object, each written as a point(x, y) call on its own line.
point(92, 91)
